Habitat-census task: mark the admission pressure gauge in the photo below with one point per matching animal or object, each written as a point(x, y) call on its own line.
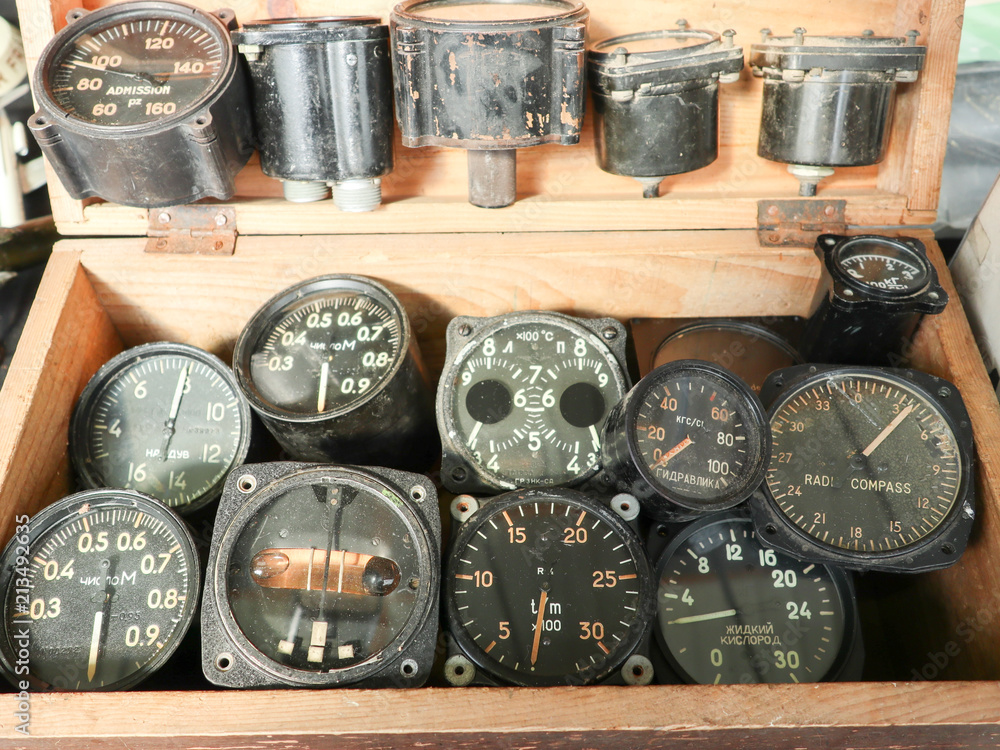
point(547, 587)
point(870, 468)
point(656, 100)
point(523, 399)
point(691, 437)
point(322, 576)
point(333, 370)
point(828, 99)
point(164, 419)
point(143, 103)
point(871, 298)
point(99, 588)
point(730, 611)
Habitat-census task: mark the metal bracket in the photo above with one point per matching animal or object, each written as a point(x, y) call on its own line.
point(797, 223)
point(192, 230)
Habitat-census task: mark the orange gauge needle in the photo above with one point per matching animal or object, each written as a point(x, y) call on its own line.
point(538, 626)
point(673, 452)
point(887, 431)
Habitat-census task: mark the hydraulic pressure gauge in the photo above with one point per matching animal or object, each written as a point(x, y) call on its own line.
point(335, 374)
point(322, 576)
point(730, 611)
point(691, 437)
point(871, 298)
point(99, 589)
point(547, 587)
point(143, 103)
point(164, 419)
point(870, 468)
point(523, 399)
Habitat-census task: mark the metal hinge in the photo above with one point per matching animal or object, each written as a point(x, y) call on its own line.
point(186, 230)
point(797, 223)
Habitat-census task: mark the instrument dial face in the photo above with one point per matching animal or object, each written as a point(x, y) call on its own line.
point(730, 611)
point(165, 419)
point(547, 588)
point(863, 462)
point(112, 586)
point(323, 347)
point(527, 401)
point(325, 570)
point(882, 264)
point(140, 67)
point(699, 434)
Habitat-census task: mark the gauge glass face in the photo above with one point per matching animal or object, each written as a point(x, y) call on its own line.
point(168, 424)
point(529, 400)
point(326, 574)
point(888, 266)
point(730, 611)
point(699, 436)
point(547, 592)
point(136, 69)
point(327, 351)
point(113, 587)
point(862, 462)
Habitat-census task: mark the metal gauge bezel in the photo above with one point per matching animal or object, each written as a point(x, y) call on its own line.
point(250, 667)
point(944, 545)
point(65, 510)
point(79, 445)
point(851, 649)
point(758, 430)
point(460, 346)
point(279, 306)
point(82, 22)
point(492, 507)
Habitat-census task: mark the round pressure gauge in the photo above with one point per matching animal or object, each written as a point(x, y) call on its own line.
point(164, 419)
point(334, 372)
point(546, 587)
point(730, 611)
point(523, 399)
point(99, 588)
point(322, 576)
point(143, 103)
point(870, 468)
point(691, 437)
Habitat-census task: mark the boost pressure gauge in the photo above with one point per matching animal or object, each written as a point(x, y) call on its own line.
point(870, 468)
point(334, 372)
point(143, 103)
point(523, 399)
point(100, 588)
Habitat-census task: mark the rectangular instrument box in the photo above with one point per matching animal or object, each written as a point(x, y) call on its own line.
point(579, 241)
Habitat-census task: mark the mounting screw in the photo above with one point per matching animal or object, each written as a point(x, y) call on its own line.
point(682, 24)
point(944, 392)
point(464, 330)
point(829, 210)
point(764, 34)
point(799, 35)
point(609, 334)
point(868, 33)
point(911, 37)
point(163, 218)
point(772, 210)
point(220, 220)
point(727, 37)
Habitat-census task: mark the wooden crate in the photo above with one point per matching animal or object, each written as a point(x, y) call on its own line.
point(578, 241)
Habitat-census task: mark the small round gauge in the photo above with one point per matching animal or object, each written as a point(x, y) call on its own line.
point(882, 263)
point(332, 368)
point(321, 576)
point(100, 588)
point(690, 437)
point(523, 399)
point(730, 611)
point(164, 419)
point(868, 464)
point(547, 587)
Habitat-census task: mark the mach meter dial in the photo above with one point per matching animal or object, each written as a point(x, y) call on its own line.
point(164, 419)
point(321, 576)
point(547, 587)
point(691, 437)
point(143, 103)
point(523, 399)
point(333, 370)
point(100, 588)
point(870, 468)
point(730, 611)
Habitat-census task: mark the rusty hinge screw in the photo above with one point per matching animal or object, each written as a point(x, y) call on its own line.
point(163, 218)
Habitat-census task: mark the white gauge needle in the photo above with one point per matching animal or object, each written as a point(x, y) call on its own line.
point(95, 645)
point(594, 437)
point(472, 436)
point(179, 392)
point(702, 618)
point(324, 377)
point(888, 430)
point(673, 452)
